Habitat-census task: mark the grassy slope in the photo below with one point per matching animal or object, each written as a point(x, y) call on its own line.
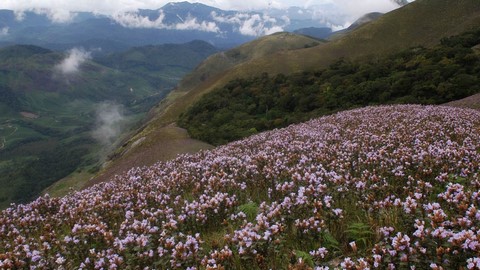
point(423, 22)
point(158, 139)
point(472, 102)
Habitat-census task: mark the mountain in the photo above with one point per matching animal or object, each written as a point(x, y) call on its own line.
point(63, 112)
point(367, 18)
point(402, 2)
point(316, 32)
point(370, 17)
point(173, 23)
point(392, 32)
point(168, 62)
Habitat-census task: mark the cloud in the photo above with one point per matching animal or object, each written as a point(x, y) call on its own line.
point(4, 32)
point(134, 20)
point(251, 24)
point(363, 7)
point(71, 64)
point(109, 7)
point(57, 15)
point(191, 24)
point(340, 13)
point(109, 124)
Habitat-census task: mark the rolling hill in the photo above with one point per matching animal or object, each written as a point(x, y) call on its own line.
point(421, 23)
point(63, 112)
point(436, 75)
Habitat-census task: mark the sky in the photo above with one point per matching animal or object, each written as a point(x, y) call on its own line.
point(337, 14)
point(109, 7)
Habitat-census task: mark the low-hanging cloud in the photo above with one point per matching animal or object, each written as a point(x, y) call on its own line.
point(251, 24)
point(191, 23)
point(134, 20)
point(109, 124)
point(71, 64)
point(4, 31)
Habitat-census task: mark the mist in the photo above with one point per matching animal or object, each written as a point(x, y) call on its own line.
point(71, 64)
point(109, 123)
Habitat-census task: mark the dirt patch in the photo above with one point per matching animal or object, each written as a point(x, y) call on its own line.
point(29, 115)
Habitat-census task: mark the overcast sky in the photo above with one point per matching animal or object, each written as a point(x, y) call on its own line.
point(113, 6)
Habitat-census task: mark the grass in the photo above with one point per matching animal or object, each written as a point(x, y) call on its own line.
point(75, 181)
point(147, 148)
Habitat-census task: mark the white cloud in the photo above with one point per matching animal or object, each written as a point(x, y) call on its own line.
point(4, 32)
point(57, 15)
point(71, 64)
point(109, 7)
point(251, 24)
point(133, 20)
point(355, 11)
point(340, 13)
point(191, 24)
point(110, 121)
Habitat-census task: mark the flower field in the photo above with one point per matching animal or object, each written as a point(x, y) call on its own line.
point(392, 187)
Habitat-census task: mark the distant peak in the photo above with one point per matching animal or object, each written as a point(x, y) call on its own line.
point(183, 4)
point(401, 2)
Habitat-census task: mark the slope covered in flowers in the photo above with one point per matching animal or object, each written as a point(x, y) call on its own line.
point(380, 187)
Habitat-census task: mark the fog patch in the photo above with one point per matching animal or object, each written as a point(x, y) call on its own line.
point(71, 64)
point(4, 32)
point(109, 123)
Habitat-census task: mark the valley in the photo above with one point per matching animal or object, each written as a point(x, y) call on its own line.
point(66, 122)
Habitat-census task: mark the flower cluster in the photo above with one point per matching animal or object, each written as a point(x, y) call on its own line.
point(381, 187)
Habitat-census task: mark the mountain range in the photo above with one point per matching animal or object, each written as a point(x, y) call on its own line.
point(173, 23)
point(179, 22)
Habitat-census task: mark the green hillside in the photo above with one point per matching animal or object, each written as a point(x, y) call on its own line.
point(156, 140)
point(421, 23)
point(449, 71)
point(168, 62)
point(59, 119)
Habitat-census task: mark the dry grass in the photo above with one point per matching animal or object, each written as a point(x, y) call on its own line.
point(163, 144)
point(472, 102)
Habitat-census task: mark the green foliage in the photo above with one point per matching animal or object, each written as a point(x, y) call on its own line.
point(250, 209)
point(329, 242)
point(242, 107)
point(306, 258)
point(360, 232)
